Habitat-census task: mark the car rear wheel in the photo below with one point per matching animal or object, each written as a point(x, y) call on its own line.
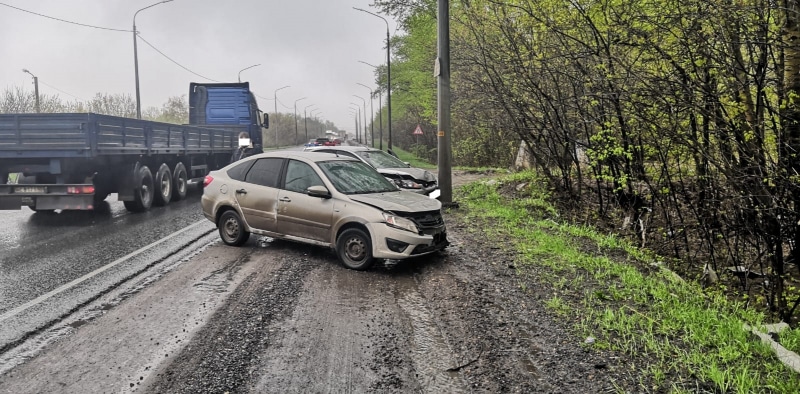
point(231, 229)
point(354, 249)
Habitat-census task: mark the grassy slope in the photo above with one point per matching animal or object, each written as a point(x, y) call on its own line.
point(684, 339)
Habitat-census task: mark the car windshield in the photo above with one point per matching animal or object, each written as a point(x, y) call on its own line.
point(381, 159)
point(355, 177)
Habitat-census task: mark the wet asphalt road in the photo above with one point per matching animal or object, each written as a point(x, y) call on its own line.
point(52, 264)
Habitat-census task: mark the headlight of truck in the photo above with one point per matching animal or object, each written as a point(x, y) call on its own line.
point(400, 222)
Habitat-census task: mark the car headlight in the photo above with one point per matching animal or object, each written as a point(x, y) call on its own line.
point(406, 184)
point(400, 222)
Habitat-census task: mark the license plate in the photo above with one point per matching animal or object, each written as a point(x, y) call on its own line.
point(30, 189)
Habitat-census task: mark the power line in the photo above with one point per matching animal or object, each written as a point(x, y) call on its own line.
point(57, 89)
point(173, 61)
point(63, 20)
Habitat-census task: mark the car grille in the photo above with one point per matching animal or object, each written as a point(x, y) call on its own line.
point(428, 222)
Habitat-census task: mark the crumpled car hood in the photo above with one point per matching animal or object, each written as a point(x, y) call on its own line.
point(416, 173)
point(399, 201)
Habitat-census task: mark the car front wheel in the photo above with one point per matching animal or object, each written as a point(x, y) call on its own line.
point(231, 229)
point(354, 249)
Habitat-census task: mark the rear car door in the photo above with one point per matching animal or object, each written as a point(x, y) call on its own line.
point(258, 194)
point(299, 214)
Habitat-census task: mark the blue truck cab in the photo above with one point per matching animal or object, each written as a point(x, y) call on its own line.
point(229, 106)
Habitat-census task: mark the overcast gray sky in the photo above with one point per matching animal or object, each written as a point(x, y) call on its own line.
point(312, 45)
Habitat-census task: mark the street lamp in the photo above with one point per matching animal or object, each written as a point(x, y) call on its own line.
point(275, 97)
point(318, 111)
point(305, 118)
point(295, 118)
point(388, 73)
point(354, 113)
point(371, 115)
point(380, 111)
point(136, 59)
point(364, 126)
point(358, 136)
point(246, 68)
point(35, 88)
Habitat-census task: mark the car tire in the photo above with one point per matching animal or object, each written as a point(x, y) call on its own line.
point(231, 229)
point(354, 249)
point(180, 182)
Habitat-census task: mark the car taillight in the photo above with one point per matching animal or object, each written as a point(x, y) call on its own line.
point(89, 189)
point(207, 180)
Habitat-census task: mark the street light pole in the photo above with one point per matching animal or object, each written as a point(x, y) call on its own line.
point(275, 97)
point(388, 73)
point(358, 136)
point(363, 126)
point(246, 68)
point(371, 115)
point(305, 118)
point(136, 59)
point(35, 88)
point(295, 118)
point(314, 115)
point(357, 113)
point(380, 111)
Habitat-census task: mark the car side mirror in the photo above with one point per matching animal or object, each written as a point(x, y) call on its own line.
point(265, 123)
point(319, 191)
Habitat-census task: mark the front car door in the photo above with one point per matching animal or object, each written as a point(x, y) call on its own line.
point(299, 214)
point(258, 194)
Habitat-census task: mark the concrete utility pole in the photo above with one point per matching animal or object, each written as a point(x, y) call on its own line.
point(35, 88)
point(136, 59)
point(442, 72)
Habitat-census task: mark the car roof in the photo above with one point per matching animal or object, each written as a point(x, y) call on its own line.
point(346, 148)
point(309, 155)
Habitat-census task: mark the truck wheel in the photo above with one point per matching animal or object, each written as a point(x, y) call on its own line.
point(162, 193)
point(354, 249)
point(143, 195)
point(179, 182)
point(231, 229)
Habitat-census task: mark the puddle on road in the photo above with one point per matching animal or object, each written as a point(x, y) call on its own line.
point(430, 352)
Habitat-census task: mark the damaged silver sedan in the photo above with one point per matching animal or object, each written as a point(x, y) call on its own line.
point(321, 199)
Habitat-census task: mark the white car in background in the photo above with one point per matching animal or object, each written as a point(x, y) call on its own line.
point(408, 178)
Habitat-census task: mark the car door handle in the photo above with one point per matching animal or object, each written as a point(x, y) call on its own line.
point(241, 191)
point(286, 199)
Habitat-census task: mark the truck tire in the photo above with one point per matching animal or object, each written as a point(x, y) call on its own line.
point(162, 186)
point(180, 180)
point(143, 195)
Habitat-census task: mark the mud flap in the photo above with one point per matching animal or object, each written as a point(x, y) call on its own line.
point(128, 183)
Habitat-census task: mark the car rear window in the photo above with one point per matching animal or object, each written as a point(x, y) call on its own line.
point(239, 171)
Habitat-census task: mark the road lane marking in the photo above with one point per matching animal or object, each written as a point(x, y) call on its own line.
point(92, 274)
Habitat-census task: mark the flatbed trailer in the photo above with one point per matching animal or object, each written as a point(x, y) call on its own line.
point(74, 161)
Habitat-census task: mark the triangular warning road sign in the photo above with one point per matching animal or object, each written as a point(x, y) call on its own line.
point(417, 131)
